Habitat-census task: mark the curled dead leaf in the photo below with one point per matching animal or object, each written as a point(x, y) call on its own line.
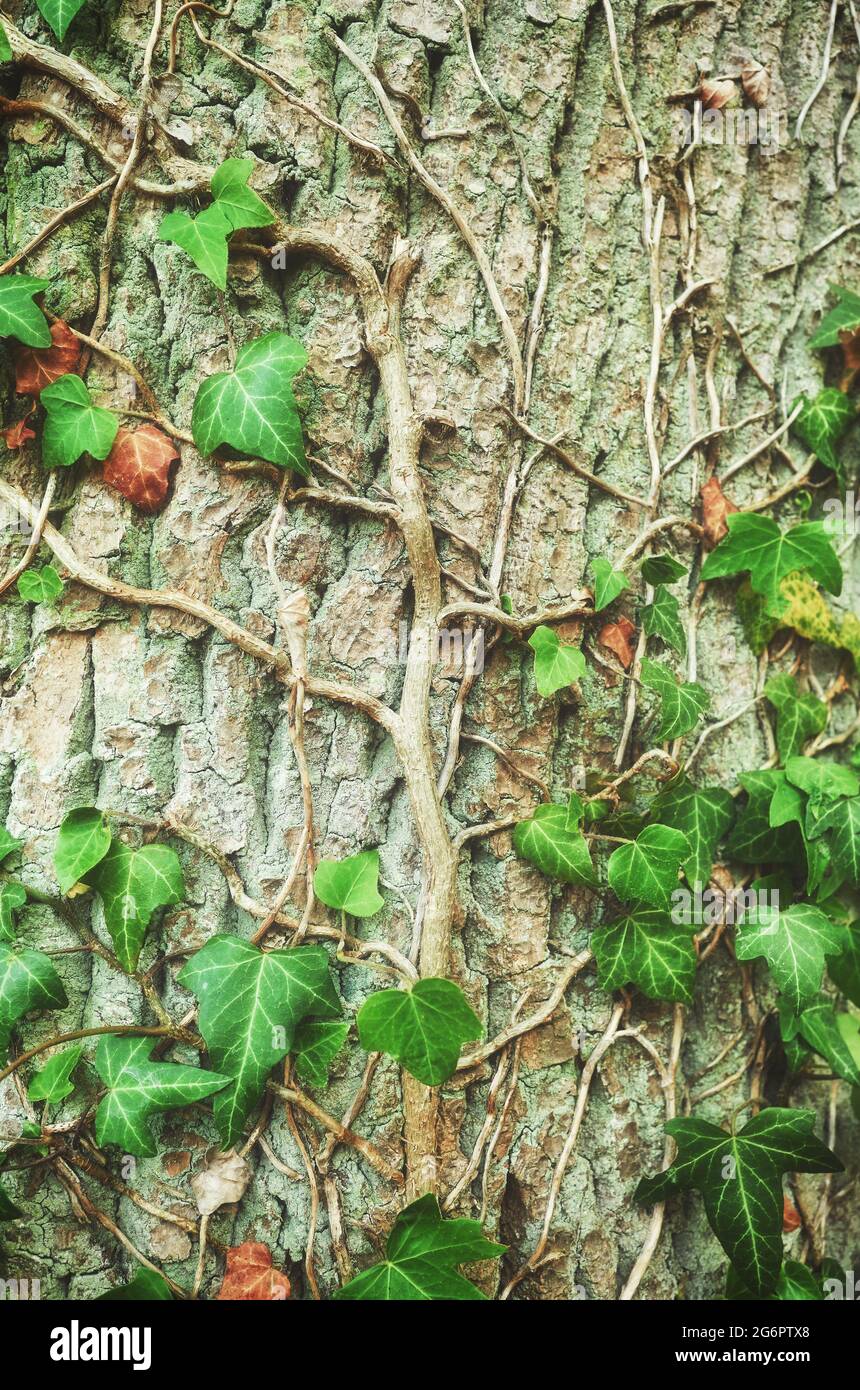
point(618, 637)
point(790, 1217)
point(223, 1179)
point(716, 506)
point(717, 93)
point(138, 466)
point(755, 81)
point(294, 613)
point(18, 433)
point(250, 1275)
point(851, 349)
point(36, 368)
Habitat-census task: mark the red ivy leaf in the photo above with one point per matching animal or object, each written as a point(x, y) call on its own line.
point(790, 1217)
point(250, 1275)
point(138, 466)
point(716, 506)
point(616, 636)
point(16, 434)
point(36, 368)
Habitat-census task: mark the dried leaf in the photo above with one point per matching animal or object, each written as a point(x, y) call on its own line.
point(790, 1218)
point(294, 613)
point(715, 508)
point(756, 82)
point(223, 1180)
point(618, 637)
point(36, 368)
point(138, 466)
point(717, 94)
point(16, 434)
point(250, 1275)
point(851, 349)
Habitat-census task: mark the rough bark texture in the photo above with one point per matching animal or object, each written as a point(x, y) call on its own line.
point(150, 712)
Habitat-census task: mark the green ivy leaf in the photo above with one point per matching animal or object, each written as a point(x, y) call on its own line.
point(844, 318)
point(8, 843)
point(53, 1083)
point(19, 317)
point(797, 1054)
point(835, 1037)
point(796, 1283)
point(12, 896)
point(798, 716)
point(557, 664)
point(608, 583)
point(662, 569)
point(139, 1088)
point(740, 1179)
point(132, 883)
point(646, 871)
point(842, 817)
point(662, 618)
point(315, 1046)
point(752, 840)
point(787, 805)
point(756, 546)
point(822, 779)
point(6, 55)
point(822, 423)
point(84, 839)
point(253, 408)
point(40, 586)
point(28, 981)
point(203, 238)
point(553, 842)
point(423, 1027)
point(794, 944)
point(147, 1286)
point(250, 1004)
point(646, 948)
point(681, 705)
point(844, 969)
point(59, 13)
point(703, 814)
point(350, 885)
point(74, 426)
point(238, 203)
point(423, 1253)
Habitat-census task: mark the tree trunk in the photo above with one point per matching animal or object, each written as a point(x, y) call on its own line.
point(530, 248)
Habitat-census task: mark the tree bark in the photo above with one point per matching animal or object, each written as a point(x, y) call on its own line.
point(421, 343)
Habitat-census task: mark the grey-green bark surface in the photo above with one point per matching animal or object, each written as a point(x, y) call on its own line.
point(148, 712)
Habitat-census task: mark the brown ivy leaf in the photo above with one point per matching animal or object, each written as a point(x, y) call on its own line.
point(617, 637)
point(138, 466)
point(36, 368)
point(717, 94)
point(851, 349)
point(716, 506)
point(755, 81)
point(222, 1180)
point(250, 1275)
point(16, 434)
point(790, 1217)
